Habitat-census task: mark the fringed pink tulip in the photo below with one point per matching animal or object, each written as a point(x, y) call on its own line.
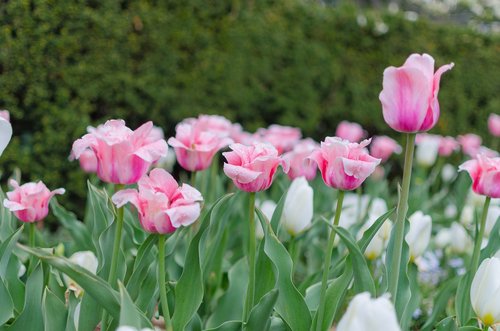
point(350, 131)
point(410, 94)
point(252, 168)
point(296, 160)
point(494, 124)
point(448, 145)
point(485, 175)
point(283, 138)
point(383, 147)
point(194, 146)
point(162, 204)
point(30, 201)
point(344, 165)
point(471, 144)
point(123, 156)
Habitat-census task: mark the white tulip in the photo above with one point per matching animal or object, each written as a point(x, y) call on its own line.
point(298, 208)
point(450, 211)
point(365, 313)
point(467, 216)
point(427, 150)
point(377, 208)
point(448, 172)
point(485, 291)
point(5, 134)
point(419, 234)
point(353, 207)
point(267, 207)
point(460, 242)
point(491, 219)
point(376, 246)
point(443, 238)
point(86, 260)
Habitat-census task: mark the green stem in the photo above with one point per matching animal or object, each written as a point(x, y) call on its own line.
point(328, 258)
point(294, 252)
point(193, 178)
point(162, 283)
point(251, 257)
point(32, 243)
point(402, 209)
point(116, 251)
point(479, 237)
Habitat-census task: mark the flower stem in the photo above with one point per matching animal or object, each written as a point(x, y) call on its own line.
point(401, 212)
point(161, 282)
point(294, 252)
point(251, 257)
point(479, 237)
point(32, 243)
point(328, 258)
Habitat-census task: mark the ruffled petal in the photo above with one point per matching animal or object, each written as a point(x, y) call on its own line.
point(240, 174)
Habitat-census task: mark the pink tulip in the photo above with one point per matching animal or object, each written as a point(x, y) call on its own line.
point(485, 175)
point(383, 147)
point(494, 124)
point(344, 165)
point(242, 137)
point(297, 157)
point(194, 146)
point(252, 168)
point(471, 143)
point(213, 123)
point(123, 155)
point(350, 131)
point(30, 201)
point(447, 145)
point(283, 138)
point(88, 161)
point(162, 204)
point(410, 94)
point(5, 115)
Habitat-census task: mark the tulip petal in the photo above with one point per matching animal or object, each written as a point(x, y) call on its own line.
point(5, 134)
point(424, 63)
point(240, 174)
point(153, 152)
point(184, 215)
point(120, 198)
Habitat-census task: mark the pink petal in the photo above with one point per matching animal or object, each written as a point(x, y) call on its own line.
point(153, 152)
point(424, 63)
point(184, 215)
point(240, 174)
point(120, 198)
point(12, 205)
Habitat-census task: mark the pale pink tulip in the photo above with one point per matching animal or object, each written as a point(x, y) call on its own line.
point(447, 145)
point(494, 124)
point(123, 155)
point(297, 157)
point(471, 144)
point(194, 146)
point(344, 165)
point(410, 94)
point(162, 204)
point(283, 138)
point(252, 168)
point(485, 175)
point(30, 201)
point(383, 147)
point(213, 123)
point(350, 131)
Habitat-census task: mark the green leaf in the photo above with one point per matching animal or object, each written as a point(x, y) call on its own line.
point(373, 229)
point(278, 211)
point(72, 303)
point(90, 314)
point(415, 297)
point(447, 324)
point(6, 250)
point(259, 316)
point(8, 223)
point(228, 326)
point(54, 311)
point(145, 257)
point(462, 299)
point(443, 296)
point(7, 310)
point(129, 313)
point(493, 242)
point(290, 304)
point(94, 286)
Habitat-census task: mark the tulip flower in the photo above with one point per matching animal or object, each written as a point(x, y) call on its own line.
point(86, 260)
point(344, 165)
point(410, 94)
point(5, 132)
point(162, 205)
point(298, 208)
point(29, 202)
point(123, 155)
point(195, 145)
point(456, 238)
point(267, 207)
point(383, 147)
point(419, 234)
point(494, 124)
point(252, 168)
point(491, 220)
point(447, 145)
point(379, 241)
point(485, 291)
point(283, 138)
point(296, 159)
point(350, 131)
point(365, 313)
point(427, 149)
point(471, 144)
point(448, 172)
point(485, 175)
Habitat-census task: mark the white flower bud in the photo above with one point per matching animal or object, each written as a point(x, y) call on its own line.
point(267, 207)
point(298, 208)
point(419, 234)
point(448, 172)
point(427, 150)
point(85, 259)
point(485, 291)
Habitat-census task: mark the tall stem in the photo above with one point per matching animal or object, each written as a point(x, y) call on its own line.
point(251, 257)
point(32, 243)
point(161, 282)
point(326, 267)
point(401, 216)
point(479, 237)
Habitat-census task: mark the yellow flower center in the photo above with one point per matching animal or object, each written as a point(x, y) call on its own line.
point(488, 319)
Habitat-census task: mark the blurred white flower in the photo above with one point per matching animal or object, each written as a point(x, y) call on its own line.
point(450, 211)
point(485, 291)
point(365, 313)
point(5, 133)
point(491, 219)
point(460, 241)
point(442, 238)
point(411, 16)
point(361, 20)
point(448, 172)
point(298, 208)
point(429, 271)
point(267, 207)
point(475, 199)
point(21, 270)
point(379, 241)
point(377, 208)
point(419, 234)
point(353, 207)
point(381, 28)
point(427, 150)
point(86, 260)
point(467, 216)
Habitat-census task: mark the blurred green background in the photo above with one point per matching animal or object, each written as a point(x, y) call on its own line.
point(67, 64)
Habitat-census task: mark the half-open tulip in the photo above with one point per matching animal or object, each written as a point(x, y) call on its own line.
point(162, 204)
point(350, 131)
point(485, 175)
point(30, 201)
point(123, 155)
point(485, 291)
point(297, 157)
point(494, 124)
point(410, 94)
point(382, 147)
point(344, 165)
point(419, 234)
point(252, 168)
point(298, 208)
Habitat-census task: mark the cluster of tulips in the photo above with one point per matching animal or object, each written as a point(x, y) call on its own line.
point(132, 160)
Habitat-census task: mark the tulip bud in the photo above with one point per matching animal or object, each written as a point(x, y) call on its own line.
point(491, 219)
point(86, 260)
point(467, 215)
point(485, 291)
point(460, 241)
point(365, 313)
point(298, 208)
point(419, 234)
point(427, 150)
point(448, 172)
point(267, 207)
